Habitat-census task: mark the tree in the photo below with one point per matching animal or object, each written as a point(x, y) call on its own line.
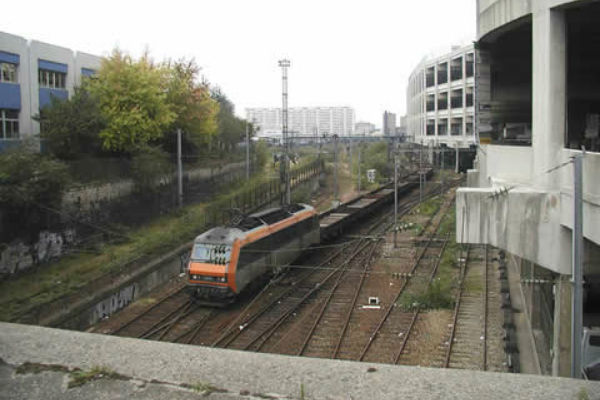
point(232, 130)
point(133, 99)
point(195, 110)
point(374, 158)
point(71, 127)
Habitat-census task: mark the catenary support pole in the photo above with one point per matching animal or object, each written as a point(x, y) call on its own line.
point(247, 153)
point(179, 171)
point(442, 170)
point(457, 158)
point(421, 172)
point(335, 169)
point(350, 158)
point(359, 149)
point(577, 300)
point(395, 201)
point(285, 64)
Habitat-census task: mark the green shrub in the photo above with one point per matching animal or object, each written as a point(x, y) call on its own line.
point(28, 178)
point(437, 295)
point(71, 127)
point(150, 168)
point(31, 189)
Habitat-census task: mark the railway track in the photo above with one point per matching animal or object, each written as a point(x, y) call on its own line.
point(316, 309)
point(477, 321)
point(154, 315)
point(388, 339)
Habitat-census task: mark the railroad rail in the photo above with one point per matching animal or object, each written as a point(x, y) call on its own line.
point(477, 315)
point(395, 319)
point(309, 309)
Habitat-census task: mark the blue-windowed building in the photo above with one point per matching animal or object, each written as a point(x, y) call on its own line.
point(31, 73)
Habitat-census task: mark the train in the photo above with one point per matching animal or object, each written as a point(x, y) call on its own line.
point(226, 260)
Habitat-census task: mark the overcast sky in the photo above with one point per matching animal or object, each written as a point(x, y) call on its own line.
point(343, 52)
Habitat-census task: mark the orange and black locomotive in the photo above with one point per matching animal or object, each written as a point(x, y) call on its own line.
point(225, 260)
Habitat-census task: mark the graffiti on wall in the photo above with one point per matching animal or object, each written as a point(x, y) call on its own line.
point(114, 303)
point(18, 256)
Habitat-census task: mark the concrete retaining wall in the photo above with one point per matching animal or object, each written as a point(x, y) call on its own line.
point(98, 205)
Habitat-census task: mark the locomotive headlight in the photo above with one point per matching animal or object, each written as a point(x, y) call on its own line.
point(221, 279)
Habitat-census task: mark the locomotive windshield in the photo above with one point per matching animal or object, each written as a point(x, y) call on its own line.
point(211, 253)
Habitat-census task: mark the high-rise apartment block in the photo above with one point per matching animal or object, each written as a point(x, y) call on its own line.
point(389, 124)
point(304, 121)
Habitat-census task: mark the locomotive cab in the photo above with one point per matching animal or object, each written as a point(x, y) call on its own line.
point(209, 265)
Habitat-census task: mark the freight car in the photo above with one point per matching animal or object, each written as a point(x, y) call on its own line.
point(335, 221)
point(226, 260)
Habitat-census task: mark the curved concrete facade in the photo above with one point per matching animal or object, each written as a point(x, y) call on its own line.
point(527, 168)
point(536, 69)
point(439, 100)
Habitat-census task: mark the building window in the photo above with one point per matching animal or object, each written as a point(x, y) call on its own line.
point(8, 72)
point(442, 102)
point(456, 71)
point(430, 77)
point(52, 79)
point(442, 127)
point(456, 99)
point(456, 127)
point(430, 128)
point(469, 64)
point(469, 127)
point(430, 102)
point(88, 72)
point(442, 75)
point(9, 123)
point(469, 97)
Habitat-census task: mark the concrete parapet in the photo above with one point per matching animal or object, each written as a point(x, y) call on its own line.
point(163, 370)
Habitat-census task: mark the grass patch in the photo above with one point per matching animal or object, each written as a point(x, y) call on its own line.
point(473, 286)
point(429, 207)
point(440, 293)
point(146, 301)
point(36, 368)
point(205, 388)
point(583, 394)
point(81, 377)
point(437, 295)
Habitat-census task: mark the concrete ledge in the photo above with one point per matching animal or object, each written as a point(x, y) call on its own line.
point(247, 375)
point(523, 221)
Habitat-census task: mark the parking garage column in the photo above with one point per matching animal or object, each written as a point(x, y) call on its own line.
point(549, 89)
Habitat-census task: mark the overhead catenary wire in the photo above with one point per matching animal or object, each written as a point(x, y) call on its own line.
point(325, 246)
point(323, 268)
point(505, 189)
